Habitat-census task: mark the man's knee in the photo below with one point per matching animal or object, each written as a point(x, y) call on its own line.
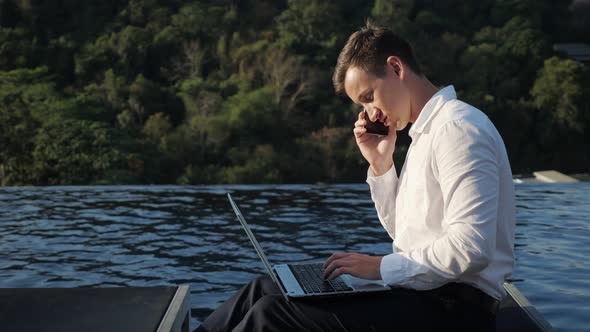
point(265, 279)
point(267, 305)
point(264, 315)
point(262, 279)
point(265, 283)
point(268, 308)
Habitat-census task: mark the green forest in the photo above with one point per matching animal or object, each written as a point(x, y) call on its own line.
point(210, 92)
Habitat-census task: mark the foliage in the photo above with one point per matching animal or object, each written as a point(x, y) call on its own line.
point(189, 92)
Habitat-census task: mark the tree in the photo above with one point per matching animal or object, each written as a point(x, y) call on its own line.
point(259, 167)
point(17, 132)
point(560, 97)
point(312, 28)
point(222, 91)
point(289, 79)
point(561, 91)
point(157, 127)
point(78, 152)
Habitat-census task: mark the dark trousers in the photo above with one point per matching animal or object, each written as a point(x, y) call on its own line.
point(260, 306)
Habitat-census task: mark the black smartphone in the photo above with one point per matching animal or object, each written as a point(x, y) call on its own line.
point(377, 127)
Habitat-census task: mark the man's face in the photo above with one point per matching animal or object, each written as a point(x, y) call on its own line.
point(385, 98)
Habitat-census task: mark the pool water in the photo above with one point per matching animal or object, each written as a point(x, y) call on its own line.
point(161, 235)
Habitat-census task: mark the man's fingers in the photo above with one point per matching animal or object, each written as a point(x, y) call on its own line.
point(335, 264)
point(330, 268)
point(359, 131)
point(338, 271)
point(334, 256)
point(360, 123)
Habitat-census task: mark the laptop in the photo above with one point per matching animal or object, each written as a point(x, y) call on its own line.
point(305, 281)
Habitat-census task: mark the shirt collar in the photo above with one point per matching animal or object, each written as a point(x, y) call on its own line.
point(432, 106)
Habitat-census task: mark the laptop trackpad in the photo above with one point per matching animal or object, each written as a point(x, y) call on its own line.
point(363, 284)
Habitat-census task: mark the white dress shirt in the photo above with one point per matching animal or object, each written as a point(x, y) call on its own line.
point(451, 212)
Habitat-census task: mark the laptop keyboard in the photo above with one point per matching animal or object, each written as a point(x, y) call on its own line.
point(310, 279)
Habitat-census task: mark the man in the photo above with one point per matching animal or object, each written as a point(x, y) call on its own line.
point(450, 211)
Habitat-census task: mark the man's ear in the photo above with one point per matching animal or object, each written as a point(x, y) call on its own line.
point(394, 63)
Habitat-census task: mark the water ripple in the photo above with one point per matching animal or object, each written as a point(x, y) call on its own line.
point(161, 235)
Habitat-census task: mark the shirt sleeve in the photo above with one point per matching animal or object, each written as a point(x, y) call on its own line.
point(465, 163)
point(383, 192)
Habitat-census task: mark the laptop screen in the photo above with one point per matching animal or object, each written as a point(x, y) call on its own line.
point(252, 238)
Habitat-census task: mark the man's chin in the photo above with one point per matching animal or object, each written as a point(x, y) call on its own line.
point(400, 125)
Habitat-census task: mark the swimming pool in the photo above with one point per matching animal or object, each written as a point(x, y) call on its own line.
point(159, 235)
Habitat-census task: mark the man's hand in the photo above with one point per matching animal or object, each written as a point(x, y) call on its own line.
point(377, 150)
point(358, 265)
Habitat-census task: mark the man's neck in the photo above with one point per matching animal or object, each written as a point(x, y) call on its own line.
point(422, 91)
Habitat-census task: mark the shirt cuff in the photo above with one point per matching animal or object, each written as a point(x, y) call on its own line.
point(387, 177)
point(397, 269)
point(382, 185)
point(392, 269)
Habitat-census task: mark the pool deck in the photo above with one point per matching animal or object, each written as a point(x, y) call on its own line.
point(551, 176)
point(554, 176)
point(164, 308)
point(517, 314)
point(160, 309)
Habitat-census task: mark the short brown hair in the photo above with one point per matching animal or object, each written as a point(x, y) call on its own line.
point(368, 48)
